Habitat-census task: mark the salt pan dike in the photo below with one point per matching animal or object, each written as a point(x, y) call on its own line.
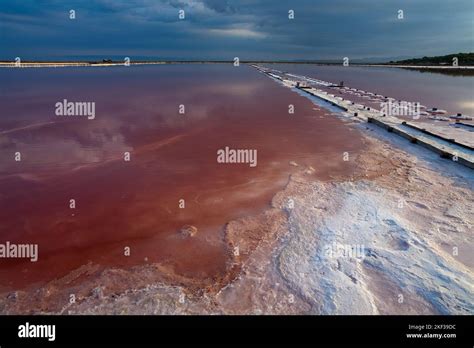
point(397, 243)
point(451, 138)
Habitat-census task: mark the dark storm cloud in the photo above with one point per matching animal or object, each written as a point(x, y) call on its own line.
point(220, 6)
point(219, 29)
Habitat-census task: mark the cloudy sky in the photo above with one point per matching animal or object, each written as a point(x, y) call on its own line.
point(220, 29)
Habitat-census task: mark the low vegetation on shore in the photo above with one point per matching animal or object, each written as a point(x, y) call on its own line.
point(463, 59)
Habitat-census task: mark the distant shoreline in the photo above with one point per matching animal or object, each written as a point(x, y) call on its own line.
point(58, 64)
